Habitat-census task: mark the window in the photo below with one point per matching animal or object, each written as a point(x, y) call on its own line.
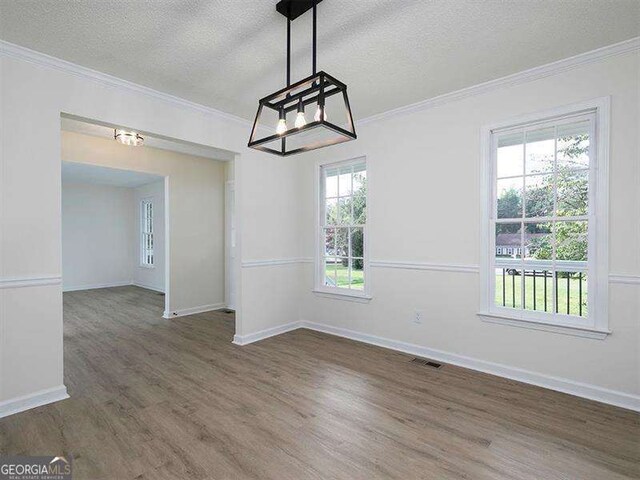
point(546, 196)
point(146, 237)
point(341, 258)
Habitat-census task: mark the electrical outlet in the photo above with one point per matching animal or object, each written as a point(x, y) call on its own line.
point(417, 317)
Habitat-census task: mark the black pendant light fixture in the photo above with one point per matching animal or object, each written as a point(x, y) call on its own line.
point(280, 126)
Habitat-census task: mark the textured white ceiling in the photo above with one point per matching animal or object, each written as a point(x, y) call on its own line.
point(228, 53)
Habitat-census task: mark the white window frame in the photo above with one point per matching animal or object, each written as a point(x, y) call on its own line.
point(596, 324)
point(319, 287)
point(144, 232)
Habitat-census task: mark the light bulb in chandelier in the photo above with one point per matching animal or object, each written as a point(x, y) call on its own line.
point(319, 112)
point(282, 126)
point(300, 120)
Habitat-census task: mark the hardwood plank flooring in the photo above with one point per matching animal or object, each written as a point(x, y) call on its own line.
point(175, 399)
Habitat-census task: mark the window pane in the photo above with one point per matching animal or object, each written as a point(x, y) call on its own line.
point(344, 182)
point(359, 179)
point(538, 290)
point(510, 155)
point(342, 272)
point(571, 293)
point(342, 242)
point(508, 287)
point(508, 239)
point(573, 145)
point(573, 192)
point(539, 196)
point(357, 274)
point(331, 211)
point(571, 241)
point(509, 195)
point(330, 272)
point(359, 198)
point(359, 211)
point(538, 241)
point(540, 150)
point(330, 241)
point(331, 183)
point(345, 205)
point(357, 242)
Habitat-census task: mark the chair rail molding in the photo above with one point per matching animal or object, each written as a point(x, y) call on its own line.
point(31, 281)
point(624, 279)
point(268, 262)
point(436, 267)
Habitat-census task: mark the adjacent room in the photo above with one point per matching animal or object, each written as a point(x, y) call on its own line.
point(112, 228)
point(320, 239)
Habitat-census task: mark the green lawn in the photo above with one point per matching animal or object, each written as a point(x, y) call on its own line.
point(574, 293)
point(357, 276)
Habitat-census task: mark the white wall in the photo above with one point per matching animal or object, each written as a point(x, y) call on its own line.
point(34, 90)
point(424, 174)
point(144, 276)
point(98, 247)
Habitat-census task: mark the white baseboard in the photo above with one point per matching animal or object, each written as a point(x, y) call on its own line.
point(148, 287)
point(193, 310)
point(123, 283)
point(591, 392)
point(37, 399)
point(262, 334)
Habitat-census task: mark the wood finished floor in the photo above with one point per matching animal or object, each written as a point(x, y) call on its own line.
point(174, 399)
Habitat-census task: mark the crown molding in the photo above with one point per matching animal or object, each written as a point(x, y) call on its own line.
point(525, 76)
point(8, 49)
point(11, 50)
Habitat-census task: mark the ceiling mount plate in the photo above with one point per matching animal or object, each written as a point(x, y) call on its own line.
point(292, 9)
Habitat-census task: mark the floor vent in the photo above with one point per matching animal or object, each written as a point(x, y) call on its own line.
point(427, 363)
point(227, 310)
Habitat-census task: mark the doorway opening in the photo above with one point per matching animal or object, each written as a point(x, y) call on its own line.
point(159, 217)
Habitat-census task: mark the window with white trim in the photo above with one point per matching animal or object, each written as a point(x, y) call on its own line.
point(545, 183)
point(146, 233)
point(341, 259)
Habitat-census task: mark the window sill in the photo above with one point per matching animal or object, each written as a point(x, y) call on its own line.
point(577, 331)
point(348, 296)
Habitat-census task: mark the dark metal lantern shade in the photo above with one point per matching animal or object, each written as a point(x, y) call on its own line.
point(275, 132)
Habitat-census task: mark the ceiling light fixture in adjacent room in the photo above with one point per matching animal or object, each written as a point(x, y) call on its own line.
point(126, 137)
point(318, 90)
